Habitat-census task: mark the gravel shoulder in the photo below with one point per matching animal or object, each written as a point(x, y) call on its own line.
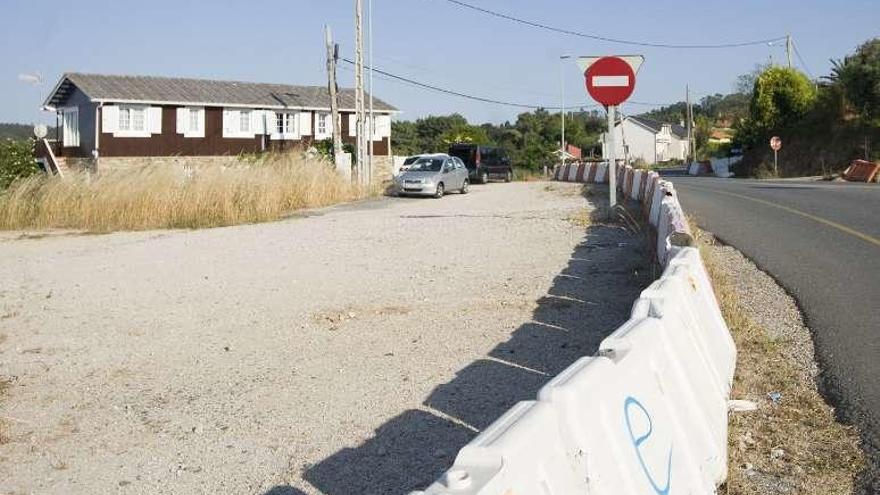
point(354, 350)
point(792, 443)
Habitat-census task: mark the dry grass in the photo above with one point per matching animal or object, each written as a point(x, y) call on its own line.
point(527, 175)
point(795, 445)
point(165, 197)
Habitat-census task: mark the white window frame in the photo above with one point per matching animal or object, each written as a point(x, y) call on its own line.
point(232, 123)
point(194, 115)
point(245, 126)
point(130, 131)
point(286, 125)
point(70, 127)
point(321, 126)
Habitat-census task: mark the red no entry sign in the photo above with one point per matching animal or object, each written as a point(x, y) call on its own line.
point(610, 80)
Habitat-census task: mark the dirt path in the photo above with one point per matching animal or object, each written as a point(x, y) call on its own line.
point(352, 351)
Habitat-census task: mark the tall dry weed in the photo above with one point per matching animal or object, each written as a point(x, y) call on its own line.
point(185, 196)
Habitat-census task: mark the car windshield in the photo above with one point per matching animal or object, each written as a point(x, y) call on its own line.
point(411, 159)
point(427, 165)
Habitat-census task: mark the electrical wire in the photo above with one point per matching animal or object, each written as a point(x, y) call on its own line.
point(607, 39)
point(455, 93)
point(801, 59)
point(395, 78)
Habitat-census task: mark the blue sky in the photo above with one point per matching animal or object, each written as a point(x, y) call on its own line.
point(427, 40)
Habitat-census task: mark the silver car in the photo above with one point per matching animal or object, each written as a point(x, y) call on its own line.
point(433, 175)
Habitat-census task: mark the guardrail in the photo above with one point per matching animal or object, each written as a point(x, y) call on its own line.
point(648, 413)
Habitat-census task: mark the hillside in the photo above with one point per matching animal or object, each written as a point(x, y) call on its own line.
point(10, 130)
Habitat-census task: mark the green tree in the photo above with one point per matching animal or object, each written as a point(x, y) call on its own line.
point(859, 77)
point(781, 97)
point(404, 138)
point(465, 134)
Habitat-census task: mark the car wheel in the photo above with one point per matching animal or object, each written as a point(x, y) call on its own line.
point(484, 177)
point(509, 176)
point(464, 186)
point(440, 191)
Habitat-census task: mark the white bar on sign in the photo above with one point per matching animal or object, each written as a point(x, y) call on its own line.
point(599, 81)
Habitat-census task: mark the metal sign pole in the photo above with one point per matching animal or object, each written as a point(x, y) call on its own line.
point(776, 162)
point(611, 152)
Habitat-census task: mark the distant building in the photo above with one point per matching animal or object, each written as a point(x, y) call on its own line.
point(117, 121)
point(649, 140)
point(721, 136)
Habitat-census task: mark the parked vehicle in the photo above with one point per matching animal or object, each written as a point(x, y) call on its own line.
point(433, 175)
point(484, 162)
point(411, 159)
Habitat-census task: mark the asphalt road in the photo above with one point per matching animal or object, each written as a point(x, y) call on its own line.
point(821, 241)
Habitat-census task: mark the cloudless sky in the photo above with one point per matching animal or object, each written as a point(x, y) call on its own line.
point(428, 40)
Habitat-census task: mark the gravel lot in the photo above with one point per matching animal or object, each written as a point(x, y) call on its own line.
point(354, 350)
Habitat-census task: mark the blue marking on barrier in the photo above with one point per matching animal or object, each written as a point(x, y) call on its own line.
point(629, 402)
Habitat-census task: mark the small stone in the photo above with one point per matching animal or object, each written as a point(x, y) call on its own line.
point(439, 453)
point(226, 348)
point(777, 453)
point(381, 450)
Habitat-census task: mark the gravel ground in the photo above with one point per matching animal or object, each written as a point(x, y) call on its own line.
point(354, 350)
point(767, 304)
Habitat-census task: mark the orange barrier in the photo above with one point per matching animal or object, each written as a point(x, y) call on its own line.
point(862, 171)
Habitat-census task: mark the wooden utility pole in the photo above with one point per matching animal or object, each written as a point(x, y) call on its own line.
point(372, 122)
point(690, 124)
point(333, 88)
point(788, 49)
point(359, 91)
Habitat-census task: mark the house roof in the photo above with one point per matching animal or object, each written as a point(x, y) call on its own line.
point(655, 126)
point(203, 92)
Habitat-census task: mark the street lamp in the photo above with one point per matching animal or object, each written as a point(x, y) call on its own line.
point(562, 58)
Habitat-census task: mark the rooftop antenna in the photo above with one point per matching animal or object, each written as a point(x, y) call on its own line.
point(34, 79)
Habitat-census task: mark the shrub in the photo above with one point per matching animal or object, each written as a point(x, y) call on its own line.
point(16, 160)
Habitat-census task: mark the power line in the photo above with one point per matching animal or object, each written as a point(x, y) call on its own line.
point(607, 39)
point(455, 93)
point(395, 78)
point(801, 60)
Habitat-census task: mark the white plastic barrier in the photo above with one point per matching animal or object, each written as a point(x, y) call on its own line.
point(572, 172)
point(672, 228)
point(659, 192)
point(721, 166)
point(601, 173)
point(694, 168)
point(520, 453)
point(636, 184)
point(649, 413)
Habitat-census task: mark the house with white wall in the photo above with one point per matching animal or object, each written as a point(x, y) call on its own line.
point(649, 140)
point(110, 121)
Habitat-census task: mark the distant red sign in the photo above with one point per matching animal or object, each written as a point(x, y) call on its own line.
point(610, 80)
point(775, 143)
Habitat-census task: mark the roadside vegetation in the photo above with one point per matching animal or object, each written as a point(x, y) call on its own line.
point(788, 445)
point(16, 160)
point(531, 140)
point(257, 190)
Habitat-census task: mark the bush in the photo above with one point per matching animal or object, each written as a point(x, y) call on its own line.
point(16, 161)
point(781, 97)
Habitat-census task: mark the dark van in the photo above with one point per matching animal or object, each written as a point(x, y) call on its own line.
point(484, 162)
